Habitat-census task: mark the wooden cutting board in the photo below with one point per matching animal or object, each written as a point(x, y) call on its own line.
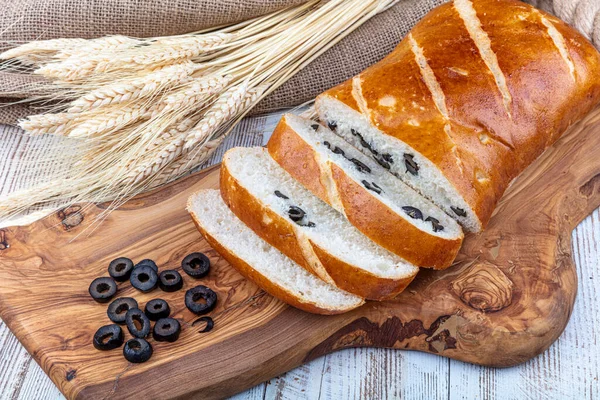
point(507, 299)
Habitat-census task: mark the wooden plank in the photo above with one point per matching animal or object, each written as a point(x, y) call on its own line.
point(379, 374)
point(302, 383)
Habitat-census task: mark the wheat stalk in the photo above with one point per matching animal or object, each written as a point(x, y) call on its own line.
point(144, 86)
point(41, 47)
point(109, 43)
point(196, 91)
point(230, 103)
point(173, 49)
point(47, 123)
point(148, 110)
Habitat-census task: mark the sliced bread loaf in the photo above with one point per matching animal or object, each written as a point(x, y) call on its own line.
point(262, 263)
point(286, 215)
point(383, 208)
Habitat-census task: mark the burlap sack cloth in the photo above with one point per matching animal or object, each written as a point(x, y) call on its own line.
point(25, 20)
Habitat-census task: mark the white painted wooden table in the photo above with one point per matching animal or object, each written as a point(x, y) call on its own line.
point(568, 370)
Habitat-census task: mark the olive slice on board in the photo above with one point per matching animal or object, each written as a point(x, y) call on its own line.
point(196, 265)
point(210, 324)
point(120, 269)
point(144, 278)
point(147, 262)
point(138, 323)
point(108, 337)
point(137, 350)
point(102, 289)
point(200, 299)
point(170, 281)
point(166, 330)
point(156, 309)
point(117, 310)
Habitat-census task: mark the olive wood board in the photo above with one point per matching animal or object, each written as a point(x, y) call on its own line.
point(507, 298)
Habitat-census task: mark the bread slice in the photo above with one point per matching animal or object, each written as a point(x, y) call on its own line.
point(383, 208)
point(286, 215)
point(262, 263)
point(403, 161)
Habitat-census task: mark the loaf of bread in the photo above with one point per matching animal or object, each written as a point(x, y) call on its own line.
point(472, 96)
point(379, 205)
point(261, 263)
point(290, 218)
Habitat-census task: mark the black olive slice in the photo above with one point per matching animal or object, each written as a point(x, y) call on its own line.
point(365, 144)
point(200, 300)
point(103, 289)
point(296, 213)
point(411, 165)
point(459, 211)
point(148, 263)
point(108, 337)
point(156, 309)
point(387, 157)
point(413, 212)
point(137, 350)
point(166, 330)
point(170, 281)
point(435, 223)
point(209, 324)
point(360, 165)
point(382, 162)
point(281, 195)
point(137, 322)
point(332, 125)
point(334, 149)
point(117, 310)
point(144, 278)
point(372, 186)
point(337, 150)
point(196, 265)
point(120, 269)
point(315, 126)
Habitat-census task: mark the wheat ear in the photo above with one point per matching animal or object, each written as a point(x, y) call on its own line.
point(231, 103)
point(170, 49)
point(110, 120)
point(41, 47)
point(187, 162)
point(137, 88)
point(47, 123)
point(196, 91)
point(226, 106)
point(108, 43)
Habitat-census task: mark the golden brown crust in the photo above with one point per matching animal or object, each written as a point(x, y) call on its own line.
point(369, 215)
point(493, 142)
point(297, 158)
point(262, 281)
point(386, 228)
point(281, 234)
point(361, 282)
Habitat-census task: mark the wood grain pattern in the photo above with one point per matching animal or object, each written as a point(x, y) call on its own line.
point(528, 233)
